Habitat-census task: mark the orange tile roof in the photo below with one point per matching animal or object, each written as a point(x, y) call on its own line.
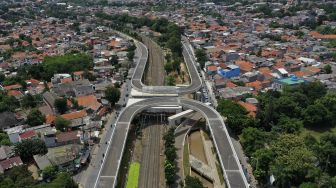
point(12, 87)
point(114, 43)
point(66, 80)
point(50, 119)
point(299, 73)
point(88, 101)
point(245, 65)
point(14, 93)
point(257, 85)
point(212, 68)
point(265, 71)
point(251, 108)
point(230, 84)
point(313, 69)
point(75, 115)
point(318, 35)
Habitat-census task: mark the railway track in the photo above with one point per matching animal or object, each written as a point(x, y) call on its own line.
point(155, 68)
point(150, 162)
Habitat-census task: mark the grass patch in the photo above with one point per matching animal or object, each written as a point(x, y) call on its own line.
point(317, 133)
point(186, 164)
point(220, 173)
point(133, 175)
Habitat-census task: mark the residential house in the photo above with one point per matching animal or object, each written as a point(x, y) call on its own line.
point(78, 118)
point(65, 138)
point(10, 163)
point(230, 71)
point(65, 157)
point(290, 81)
point(27, 135)
point(6, 152)
point(9, 119)
point(89, 102)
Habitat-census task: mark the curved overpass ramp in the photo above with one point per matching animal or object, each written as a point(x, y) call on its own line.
point(233, 173)
point(108, 171)
point(137, 84)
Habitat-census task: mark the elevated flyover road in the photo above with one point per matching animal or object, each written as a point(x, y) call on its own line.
point(137, 84)
point(233, 173)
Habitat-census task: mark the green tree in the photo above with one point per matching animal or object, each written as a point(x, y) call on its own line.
point(193, 182)
point(8, 103)
point(35, 117)
point(170, 153)
point(130, 55)
point(18, 176)
point(63, 179)
point(308, 185)
point(61, 105)
point(252, 139)
point(288, 125)
point(2, 77)
point(293, 162)
point(29, 147)
point(261, 160)
point(327, 69)
point(28, 101)
point(168, 67)
point(50, 172)
point(170, 80)
point(169, 172)
point(4, 139)
point(61, 124)
point(114, 59)
point(316, 115)
point(174, 44)
point(112, 94)
point(201, 57)
point(326, 152)
point(67, 63)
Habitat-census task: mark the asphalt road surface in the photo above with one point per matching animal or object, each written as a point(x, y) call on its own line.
point(137, 84)
point(233, 173)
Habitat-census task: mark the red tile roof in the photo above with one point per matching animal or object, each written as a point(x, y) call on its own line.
point(15, 93)
point(251, 108)
point(212, 68)
point(28, 134)
point(67, 136)
point(12, 87)
point(11, 162)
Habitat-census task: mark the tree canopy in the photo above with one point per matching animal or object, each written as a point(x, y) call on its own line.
point(193, 182)
point(29, 147)
point(61, 124)
point(112, 94)
point(35, 117)
point(276, 142)
point(61, 105)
